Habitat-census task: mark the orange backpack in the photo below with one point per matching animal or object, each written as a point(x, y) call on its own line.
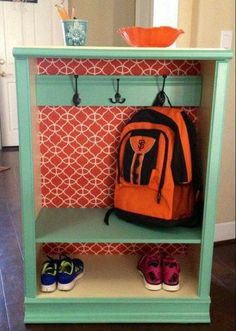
point(158, 173)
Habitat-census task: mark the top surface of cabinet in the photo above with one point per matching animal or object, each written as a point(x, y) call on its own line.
point(125, 52)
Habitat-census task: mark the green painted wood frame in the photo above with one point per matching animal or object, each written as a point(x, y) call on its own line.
point(125, 53)
point(120, 310)
point(212, 175)
point(24, 104)
point(137, 90)
point(137, 310)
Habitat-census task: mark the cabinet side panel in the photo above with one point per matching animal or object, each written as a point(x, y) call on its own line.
point(204, 115)
point(24, 90)
point(212, 172)
point(35, 138)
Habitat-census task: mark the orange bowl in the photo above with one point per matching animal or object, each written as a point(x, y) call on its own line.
point(162, 36)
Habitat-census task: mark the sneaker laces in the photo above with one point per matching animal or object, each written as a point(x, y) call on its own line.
point(50, 266)
point(171, 262)
point(153, 263)
point(66, 264)
point(66, 267)
point(153, 260)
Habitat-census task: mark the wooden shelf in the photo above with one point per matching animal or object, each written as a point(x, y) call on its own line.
point(124, 52)
point(87, 225)
point(116, 276)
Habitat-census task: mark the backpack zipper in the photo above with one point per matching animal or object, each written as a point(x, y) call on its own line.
point(163, 173)
point(118, 158)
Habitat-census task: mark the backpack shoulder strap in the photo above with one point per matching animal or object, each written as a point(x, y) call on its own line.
point(163, 116)
point(107, 215)
point(194, 146)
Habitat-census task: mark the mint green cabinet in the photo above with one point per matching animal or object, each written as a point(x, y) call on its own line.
point(104, 294)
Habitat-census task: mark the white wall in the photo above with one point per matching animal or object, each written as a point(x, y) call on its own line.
point(105, 17)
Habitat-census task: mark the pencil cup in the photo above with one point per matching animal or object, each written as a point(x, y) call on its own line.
point(75, 32)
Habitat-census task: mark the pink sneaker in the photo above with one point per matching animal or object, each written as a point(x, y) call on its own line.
point(149, 266)
point(170, 272)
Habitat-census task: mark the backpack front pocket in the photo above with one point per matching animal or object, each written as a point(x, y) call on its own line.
point(140, 156)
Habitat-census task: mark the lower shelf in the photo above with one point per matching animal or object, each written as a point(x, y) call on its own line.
point(115, 276)
point(112, 291)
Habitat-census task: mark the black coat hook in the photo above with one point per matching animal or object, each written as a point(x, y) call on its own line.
point(117, 96)
point(76, 99)
point(162, 96)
